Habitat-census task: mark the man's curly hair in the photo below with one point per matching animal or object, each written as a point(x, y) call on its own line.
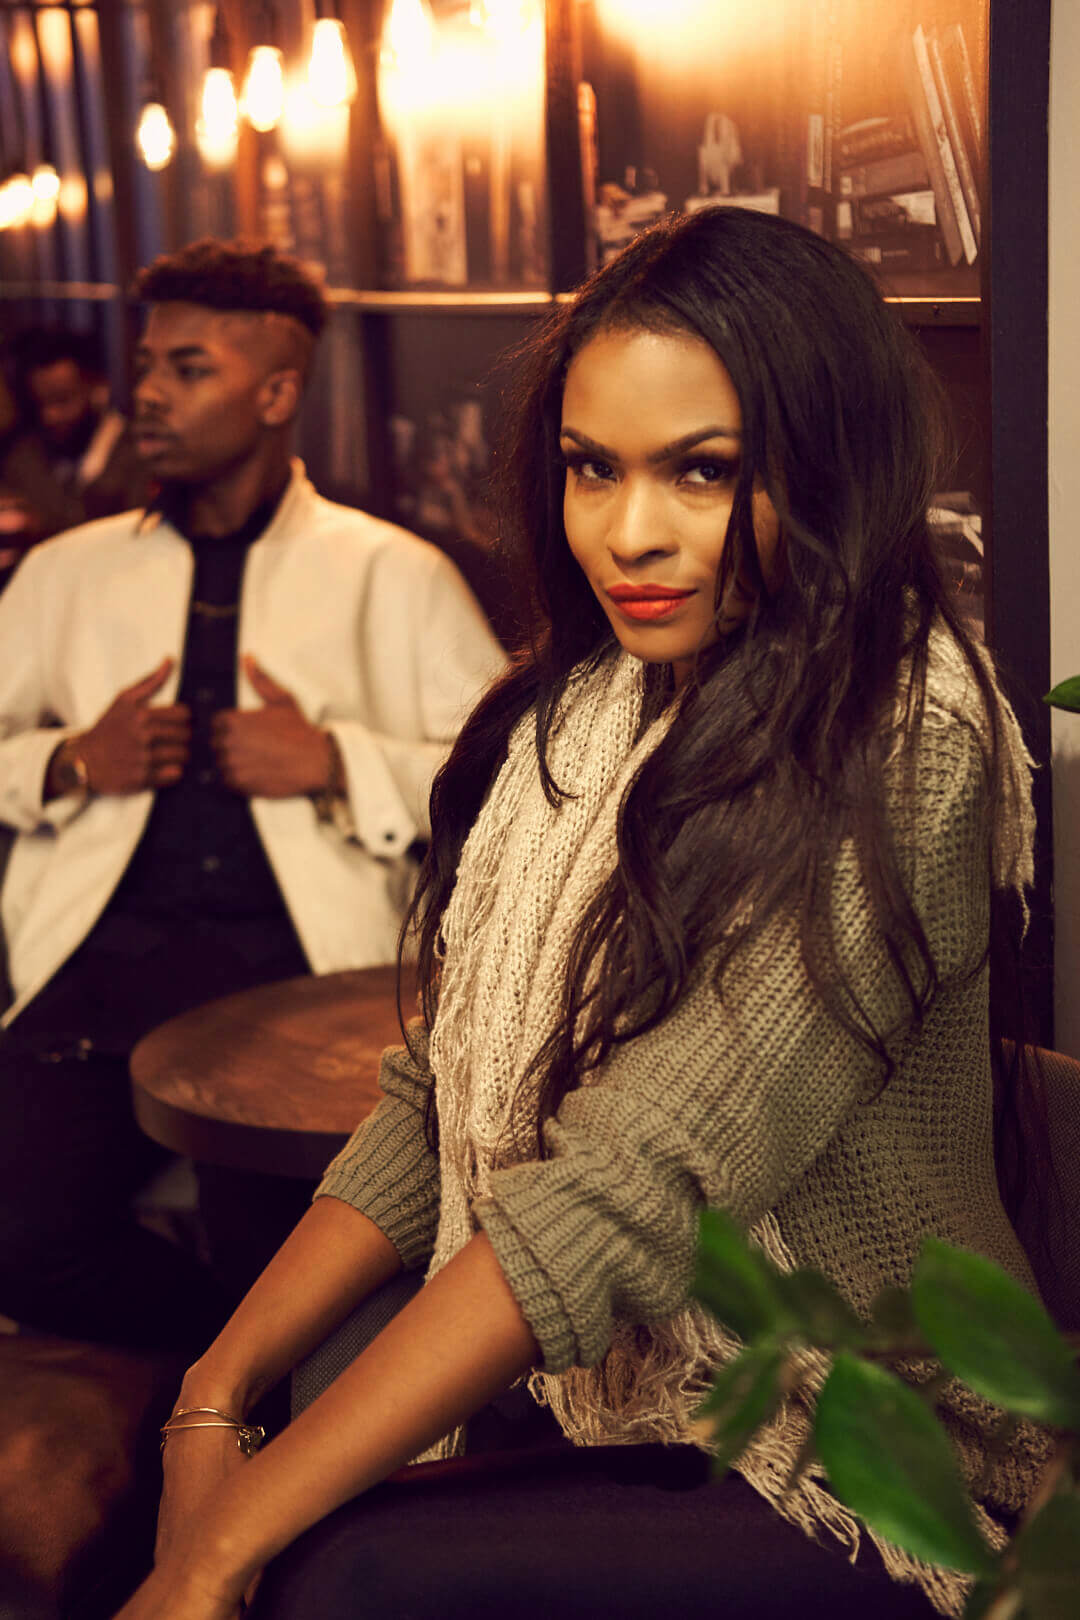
point(236, 276)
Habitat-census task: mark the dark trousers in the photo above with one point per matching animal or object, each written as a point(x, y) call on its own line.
point(528, 1527)
point(73, 1259)
point(621, 1532)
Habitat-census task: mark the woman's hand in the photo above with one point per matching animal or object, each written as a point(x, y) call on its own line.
point(173, 1592)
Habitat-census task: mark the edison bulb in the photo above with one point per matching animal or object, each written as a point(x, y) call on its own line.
point(218, 125)
point(331, 74)
point(410, 30)
point(263, 97)
point(16, 201)
point(155, 136)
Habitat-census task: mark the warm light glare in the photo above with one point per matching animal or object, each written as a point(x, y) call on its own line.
point(73, 194)
point(16, 201)
point(311, 134)
point(155, 136)
point(217, 127)
point(263, 98)
point(410, 31)
point(331, 75)
point(503, 18)
point(456, 77)
point(54, 35)
point(45, 185)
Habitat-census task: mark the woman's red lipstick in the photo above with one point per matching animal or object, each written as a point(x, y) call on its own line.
point(647, 601)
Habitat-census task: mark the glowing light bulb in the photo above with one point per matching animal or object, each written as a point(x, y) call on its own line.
point(312, 135)
point(504, 18)
point(155, 136)
point(410, 30)
point(217, 127)
point(262, 99)
point(45, 185)
point(16, 201)
point(331, 74)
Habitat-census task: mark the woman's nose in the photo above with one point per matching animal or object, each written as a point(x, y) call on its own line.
point(636, 529)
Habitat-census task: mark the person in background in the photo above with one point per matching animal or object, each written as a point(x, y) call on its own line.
point(219, 722)
point(73, 458)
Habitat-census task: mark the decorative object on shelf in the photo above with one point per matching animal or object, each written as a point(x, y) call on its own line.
point(331, 73)
point(218, 125)
point(262, 99)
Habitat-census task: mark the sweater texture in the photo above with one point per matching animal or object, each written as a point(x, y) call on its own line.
point(749, 1095)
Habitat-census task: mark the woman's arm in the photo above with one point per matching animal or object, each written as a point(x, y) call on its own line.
point(458, 1343)
point(333, 1259)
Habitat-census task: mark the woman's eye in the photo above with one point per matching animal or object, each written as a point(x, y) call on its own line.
point(712, 471)
point(588, 470)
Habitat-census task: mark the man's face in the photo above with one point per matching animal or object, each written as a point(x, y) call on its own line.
point(198, 377)
point(63, 401)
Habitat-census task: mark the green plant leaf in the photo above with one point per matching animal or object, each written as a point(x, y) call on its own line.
point(824, 1316)
point(1066, 695)
point(735, 1282)
point(993, 1334)
point(1048, 1557)
point(888, 1458)
point(892, 1321)
point(745, 1395)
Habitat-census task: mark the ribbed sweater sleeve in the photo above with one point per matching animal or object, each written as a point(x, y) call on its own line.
point(387, 1169)
point(732, 1098)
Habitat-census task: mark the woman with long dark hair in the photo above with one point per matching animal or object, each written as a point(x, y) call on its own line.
point(705, 920)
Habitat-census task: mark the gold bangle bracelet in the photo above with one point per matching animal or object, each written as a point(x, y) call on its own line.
point(249, 1436)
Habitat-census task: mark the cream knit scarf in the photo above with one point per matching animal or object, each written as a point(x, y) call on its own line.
point(528, 871)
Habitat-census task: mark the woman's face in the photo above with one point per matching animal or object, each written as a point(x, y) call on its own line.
point(651, 436)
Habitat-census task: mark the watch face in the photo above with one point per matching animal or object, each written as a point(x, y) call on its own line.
point(72, 773)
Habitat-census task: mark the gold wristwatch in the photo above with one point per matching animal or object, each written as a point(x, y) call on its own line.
point(334, 788)
point(71, 772)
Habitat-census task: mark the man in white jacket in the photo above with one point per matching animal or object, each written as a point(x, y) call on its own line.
point(219, 722)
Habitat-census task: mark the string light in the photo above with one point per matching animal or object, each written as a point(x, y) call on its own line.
point(410, 32)
point(45, 185)
point(218, 125)
point(262, 99)
point(155, 136)
point(331, 74)
point(16, 201)
point(503, 19)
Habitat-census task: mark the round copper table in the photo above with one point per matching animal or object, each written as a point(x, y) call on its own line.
point(273, 1079)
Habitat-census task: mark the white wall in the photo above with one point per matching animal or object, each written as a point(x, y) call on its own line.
point(1065, 503)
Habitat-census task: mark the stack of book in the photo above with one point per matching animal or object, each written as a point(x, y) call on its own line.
point(901, 189)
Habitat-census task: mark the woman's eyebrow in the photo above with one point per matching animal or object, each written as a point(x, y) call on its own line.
point(677, 447)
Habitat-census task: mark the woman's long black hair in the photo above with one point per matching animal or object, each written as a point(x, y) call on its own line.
point(778, 752)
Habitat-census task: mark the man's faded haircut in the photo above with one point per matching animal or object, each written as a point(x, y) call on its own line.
point(237, 277)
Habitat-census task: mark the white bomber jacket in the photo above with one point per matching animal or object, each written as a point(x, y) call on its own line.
point(374, 633)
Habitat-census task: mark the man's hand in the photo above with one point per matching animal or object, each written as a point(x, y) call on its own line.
point(273, 752)
point(134, 745)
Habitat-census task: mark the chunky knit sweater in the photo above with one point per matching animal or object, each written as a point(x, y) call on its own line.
point(753, 1098)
